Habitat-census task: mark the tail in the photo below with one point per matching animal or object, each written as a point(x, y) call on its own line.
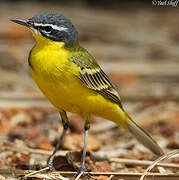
point(144, 137)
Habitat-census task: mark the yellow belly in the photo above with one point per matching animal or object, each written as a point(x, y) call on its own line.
point(57, 77)
point(75, 97)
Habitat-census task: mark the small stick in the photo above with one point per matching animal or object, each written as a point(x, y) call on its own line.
point(26, 150)
point(110, 177)
point(117, 175)
point(36, 172)
point(143, 162)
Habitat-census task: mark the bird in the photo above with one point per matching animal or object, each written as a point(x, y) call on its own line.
point(72, 80)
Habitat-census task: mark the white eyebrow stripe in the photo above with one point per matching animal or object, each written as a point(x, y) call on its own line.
point(53, 26)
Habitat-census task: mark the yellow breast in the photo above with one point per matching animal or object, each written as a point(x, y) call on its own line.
point(58, 78)
point(53, 72)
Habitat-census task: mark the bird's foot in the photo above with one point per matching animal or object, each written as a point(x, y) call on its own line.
point(81, 172)
point(50, 165)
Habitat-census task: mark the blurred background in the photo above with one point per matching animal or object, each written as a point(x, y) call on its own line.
point(135, 42)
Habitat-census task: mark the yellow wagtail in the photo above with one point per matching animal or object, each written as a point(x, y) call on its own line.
point(73, 81)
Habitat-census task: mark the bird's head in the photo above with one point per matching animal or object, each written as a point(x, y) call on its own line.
point(53, 26)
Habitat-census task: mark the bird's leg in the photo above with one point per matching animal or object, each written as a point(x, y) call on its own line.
point(82, 168)
point(65, 123)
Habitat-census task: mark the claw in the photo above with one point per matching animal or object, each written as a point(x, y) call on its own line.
point(50, 165)
point(82, 172)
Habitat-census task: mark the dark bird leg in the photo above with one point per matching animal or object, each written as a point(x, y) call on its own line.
point(65, 123)
point(82, 168)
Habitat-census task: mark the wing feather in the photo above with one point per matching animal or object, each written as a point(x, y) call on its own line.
point(97, 80)
point(92, 76)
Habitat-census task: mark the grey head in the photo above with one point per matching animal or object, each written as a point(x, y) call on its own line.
point(53, 26)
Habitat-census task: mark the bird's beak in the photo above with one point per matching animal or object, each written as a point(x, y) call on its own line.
point(21, 22)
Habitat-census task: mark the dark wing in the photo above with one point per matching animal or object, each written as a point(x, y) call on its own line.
point(97, 80)
point(92, 76)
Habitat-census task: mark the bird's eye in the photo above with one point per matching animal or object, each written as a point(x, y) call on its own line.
point(47, 28)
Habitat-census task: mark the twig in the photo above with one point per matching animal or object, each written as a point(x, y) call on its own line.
point(142, 162)
point(36, 172)
point(110, 177)
point(116, 175)
point(26, 150)
point(169, 155)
